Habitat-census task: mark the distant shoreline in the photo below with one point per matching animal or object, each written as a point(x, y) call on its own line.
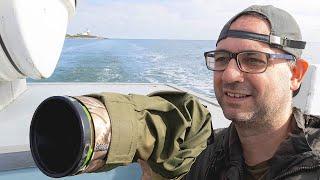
point(68, 36)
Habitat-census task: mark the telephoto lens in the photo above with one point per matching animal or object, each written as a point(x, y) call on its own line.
point(70, 135)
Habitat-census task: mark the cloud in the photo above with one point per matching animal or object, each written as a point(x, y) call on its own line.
point(179, 19)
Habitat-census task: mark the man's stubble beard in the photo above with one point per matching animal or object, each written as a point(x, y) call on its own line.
point(262, 118)
point(268, 111)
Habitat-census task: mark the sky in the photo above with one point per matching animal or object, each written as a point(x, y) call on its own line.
point(179, 19)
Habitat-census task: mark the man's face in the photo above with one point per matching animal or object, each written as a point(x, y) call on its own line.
point(249, 97)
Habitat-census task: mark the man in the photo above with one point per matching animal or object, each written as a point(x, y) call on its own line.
point(257, 70)
point(254, 82)
point(266, 138)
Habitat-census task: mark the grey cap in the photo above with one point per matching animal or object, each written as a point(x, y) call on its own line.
point(285, 32)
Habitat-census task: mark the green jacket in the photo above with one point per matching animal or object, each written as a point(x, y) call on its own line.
point(172, 131)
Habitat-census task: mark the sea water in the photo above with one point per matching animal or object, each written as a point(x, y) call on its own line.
point(178, 62)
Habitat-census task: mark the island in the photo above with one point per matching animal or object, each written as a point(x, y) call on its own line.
point(84, 35)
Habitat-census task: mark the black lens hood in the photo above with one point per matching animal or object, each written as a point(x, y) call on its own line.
point(61, 136)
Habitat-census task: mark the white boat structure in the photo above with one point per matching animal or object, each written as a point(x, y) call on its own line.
point(27, 51)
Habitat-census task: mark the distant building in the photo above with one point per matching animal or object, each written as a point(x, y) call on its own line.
point(86, 33)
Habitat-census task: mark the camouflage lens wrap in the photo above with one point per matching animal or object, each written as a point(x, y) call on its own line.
point(168, 130)
point(101, 132)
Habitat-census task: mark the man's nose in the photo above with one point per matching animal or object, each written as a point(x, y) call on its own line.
point(232, 73)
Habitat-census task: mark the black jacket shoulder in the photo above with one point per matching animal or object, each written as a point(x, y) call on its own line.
point(205, 160)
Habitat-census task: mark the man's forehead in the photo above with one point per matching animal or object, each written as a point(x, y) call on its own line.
point(250, 23)
point(238, 45)
point(246, 23)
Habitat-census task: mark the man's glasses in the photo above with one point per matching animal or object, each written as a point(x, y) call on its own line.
point(247, 61)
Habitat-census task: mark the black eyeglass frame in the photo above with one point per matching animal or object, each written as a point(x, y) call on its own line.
point(232, 55)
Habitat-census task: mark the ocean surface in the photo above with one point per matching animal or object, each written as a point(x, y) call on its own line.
point(179, 62)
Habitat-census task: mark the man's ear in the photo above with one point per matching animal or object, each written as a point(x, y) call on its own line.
point(298, 71)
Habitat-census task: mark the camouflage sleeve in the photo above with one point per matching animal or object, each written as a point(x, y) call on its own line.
point(168, 129)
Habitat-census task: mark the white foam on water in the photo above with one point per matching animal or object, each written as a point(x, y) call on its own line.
point(156, 57)
point(136, 47)
point(182, 77)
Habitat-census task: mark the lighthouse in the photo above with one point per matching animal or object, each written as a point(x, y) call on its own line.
point(86, 33)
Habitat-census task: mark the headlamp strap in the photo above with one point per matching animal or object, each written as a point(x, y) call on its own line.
point(269, 39)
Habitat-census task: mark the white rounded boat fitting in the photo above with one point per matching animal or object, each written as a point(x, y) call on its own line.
point(32, 34)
